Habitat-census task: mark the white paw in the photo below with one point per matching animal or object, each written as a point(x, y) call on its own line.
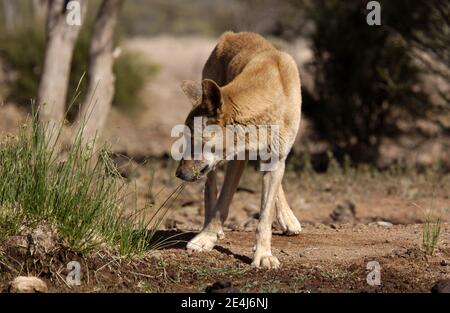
point(204, 241)
point(266, 261)
point(289, 224)
point(221, 234)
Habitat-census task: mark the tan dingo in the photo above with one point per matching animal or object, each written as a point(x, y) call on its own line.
point(246, 82)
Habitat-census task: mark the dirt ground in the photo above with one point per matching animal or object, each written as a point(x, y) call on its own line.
point(348, 221)
point(321, 259)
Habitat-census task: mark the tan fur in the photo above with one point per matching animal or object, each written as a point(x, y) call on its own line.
point(246, 81)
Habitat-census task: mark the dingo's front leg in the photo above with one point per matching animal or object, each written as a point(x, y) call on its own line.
point(206, 240)
point(263, 254)
point(216, 212)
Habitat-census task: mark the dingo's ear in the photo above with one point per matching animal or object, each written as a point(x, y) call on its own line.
point(191, 90)
point(211, 96)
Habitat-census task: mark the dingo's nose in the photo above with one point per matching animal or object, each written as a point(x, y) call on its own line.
point(179, 173)
point(184, 174)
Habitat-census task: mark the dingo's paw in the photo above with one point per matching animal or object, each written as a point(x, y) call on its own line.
point(266, 261)
point(293, 228)
point(204, 241)
point(289, 224)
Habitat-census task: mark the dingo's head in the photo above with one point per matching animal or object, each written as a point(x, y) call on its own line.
point(207, 105)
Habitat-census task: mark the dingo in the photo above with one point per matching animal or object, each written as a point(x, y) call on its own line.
point(245, 82)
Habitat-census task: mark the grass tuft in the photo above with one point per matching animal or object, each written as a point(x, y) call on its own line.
point(430, 235)
point(79, 195)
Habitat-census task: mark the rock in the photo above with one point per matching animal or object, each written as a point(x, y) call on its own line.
point(37, 243)
point(42, 240)
point(381, 224)
point(399, 251)
point(24, 284)
point(123, 166)
point(234, 226)
point(334, 226)
point(221, 286)
point(445, 263)
point(251, 222)
point(344, 212)
point(155, 255)
point(285, 252)
point(172, 223)
point(441, 286)
point(408, 253)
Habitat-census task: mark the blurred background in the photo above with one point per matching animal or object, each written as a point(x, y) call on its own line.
point(376, 95)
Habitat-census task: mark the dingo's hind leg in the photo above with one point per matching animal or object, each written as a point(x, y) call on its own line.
point(286, 218)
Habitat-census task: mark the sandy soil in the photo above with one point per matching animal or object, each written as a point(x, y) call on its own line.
point(321, 259)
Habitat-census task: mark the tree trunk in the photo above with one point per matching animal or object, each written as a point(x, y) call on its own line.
point(101, 78)
point(52, 93)
point(9, 14)
point(40, 8)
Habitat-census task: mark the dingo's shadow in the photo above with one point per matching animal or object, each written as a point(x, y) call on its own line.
point(177, 239)
point(170, 239)
point(239, 257)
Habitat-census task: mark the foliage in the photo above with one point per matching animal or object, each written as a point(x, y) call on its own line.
point(180, 17)
point(23, 53)
point(430, 235)
point(365, 80)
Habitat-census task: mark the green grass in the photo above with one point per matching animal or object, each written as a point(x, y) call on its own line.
point(81, 195)
point(430, 235)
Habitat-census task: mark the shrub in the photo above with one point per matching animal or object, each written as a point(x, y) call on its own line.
point(23, 53)
point(132, 70)
point(365, 80)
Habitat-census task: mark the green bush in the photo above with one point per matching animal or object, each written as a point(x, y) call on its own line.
point(132, 70)
point(23, 53)
point(365, 80)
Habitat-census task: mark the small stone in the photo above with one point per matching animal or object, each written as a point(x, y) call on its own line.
point(221, 286)
point(441, 286)
point(172, 223)
point(445, 263)
point(399, 251)
point(344, 212)
point(24, 284)
point(381, 224)
point(156, 255)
